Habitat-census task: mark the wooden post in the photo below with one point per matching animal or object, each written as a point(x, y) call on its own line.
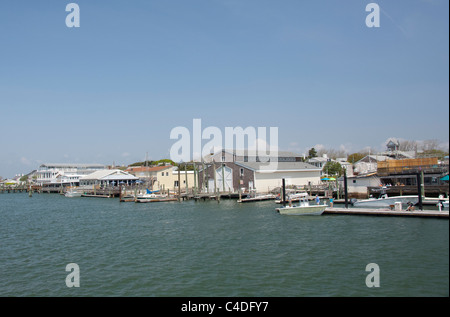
point(204, 176)
point(195, 180)
point(223, 176)
point(215, 178)
point(179, 184)
point(186, 180)
point(419, 190)
point(284, 192)
point(345, 188)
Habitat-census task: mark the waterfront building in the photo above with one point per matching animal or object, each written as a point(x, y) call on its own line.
point(245, 176)
point(294, 173)
point(149, 174)
point(251, 156)
point(64, 174)
point(368, 164)
point(112, 177)
point(168, 179)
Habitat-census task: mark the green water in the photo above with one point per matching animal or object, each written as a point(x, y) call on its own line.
point(209, 249)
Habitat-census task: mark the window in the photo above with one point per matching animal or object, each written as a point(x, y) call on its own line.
point(242, 172)
point(354, 181)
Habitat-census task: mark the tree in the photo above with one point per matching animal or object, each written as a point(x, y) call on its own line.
point(312, 153)
point(355, 157)
point(333, 168)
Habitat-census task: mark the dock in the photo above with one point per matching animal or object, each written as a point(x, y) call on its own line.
point(386, 212)
point(155, 200)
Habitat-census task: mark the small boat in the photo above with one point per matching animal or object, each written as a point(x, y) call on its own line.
point(151, 195)
point(253, 196)
point(303, 208)
point(294, 197)
point(386, 201)
point(73, 192)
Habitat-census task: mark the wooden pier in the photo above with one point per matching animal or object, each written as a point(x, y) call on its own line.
point(386, 212)
point(155, 200)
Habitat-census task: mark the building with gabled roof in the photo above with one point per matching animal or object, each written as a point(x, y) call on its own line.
point(112, 177)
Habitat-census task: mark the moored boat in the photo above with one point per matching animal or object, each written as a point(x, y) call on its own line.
point(303, 208)
point(386, 201)
point(73, 192)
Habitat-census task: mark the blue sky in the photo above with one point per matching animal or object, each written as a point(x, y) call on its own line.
point(113, 89)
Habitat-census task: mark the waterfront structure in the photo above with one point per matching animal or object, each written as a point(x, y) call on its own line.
point(403, 172)
point(357, 186)
point(246, 176)
point(150, 174)
point(168, 179)
point(64, 174)
point(233, 156)
point(112, 177)
point(225, 177)
point(368, 164)
point(294, 173)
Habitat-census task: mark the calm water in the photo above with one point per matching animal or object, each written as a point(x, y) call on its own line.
point(211, 249)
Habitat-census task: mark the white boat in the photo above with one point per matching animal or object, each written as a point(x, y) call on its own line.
point(303, 208)
point(253, 196)
point(294, 197)
point(73, 192)
point(386, 201)
point(151, 195)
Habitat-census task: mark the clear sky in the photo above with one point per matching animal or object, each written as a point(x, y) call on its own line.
point(113, 89)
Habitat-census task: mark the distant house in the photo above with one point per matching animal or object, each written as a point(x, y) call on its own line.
point(113, 177)
point(368, 164)
point(150, 174)
point(60, 174)
point(393, 145)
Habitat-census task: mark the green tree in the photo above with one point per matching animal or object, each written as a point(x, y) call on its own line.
point(333, 169)
point(312, 153)
point(355, 157)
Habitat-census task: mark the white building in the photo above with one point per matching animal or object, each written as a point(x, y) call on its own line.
point(294, 173)
point(368, 164)
point(357, 186)
point(64, 173)
point(113, 177)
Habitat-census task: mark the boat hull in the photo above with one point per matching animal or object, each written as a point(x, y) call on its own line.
point(315, 210)
point(71, 195)
point(386, 202)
